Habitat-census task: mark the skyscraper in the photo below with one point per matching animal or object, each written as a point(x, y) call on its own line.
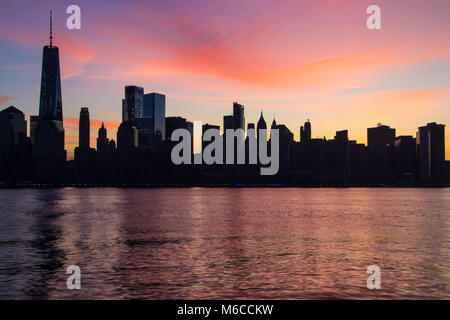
point(15, 146)
point(50, 104)
point(431, 151)
point(49, 154)
point(228, 122)
point(305, 132)
point(102, 140)
point(84, 129)
point(155, 107)
point(378, 138)
point(133, 103)
point(261, 125)
point(238, 116)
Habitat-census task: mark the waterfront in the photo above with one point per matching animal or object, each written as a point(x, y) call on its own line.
point(211, 243)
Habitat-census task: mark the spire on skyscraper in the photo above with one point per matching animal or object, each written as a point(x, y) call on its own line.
point(51, 31)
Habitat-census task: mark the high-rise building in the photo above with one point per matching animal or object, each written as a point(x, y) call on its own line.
point(84, 164)
point(155, 108)
point(378, 138)
point(405, 155)
point(238, 116)
point(84, 129)
point(340, 148)
point(133, 104)
point(261, 125)
point(49, 154)
point(305, 132)
point(431, 151)
point(228, 122)
point(15, 146)
point(50, 104)
point(102, 140)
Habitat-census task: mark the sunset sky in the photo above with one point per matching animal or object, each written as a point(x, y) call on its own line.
point(292, 59)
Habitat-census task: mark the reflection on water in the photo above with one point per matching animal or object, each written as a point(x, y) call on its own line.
point(224, 243)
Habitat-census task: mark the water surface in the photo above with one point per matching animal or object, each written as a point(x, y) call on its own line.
point(201, 243)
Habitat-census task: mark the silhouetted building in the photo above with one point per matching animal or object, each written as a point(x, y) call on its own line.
point(155, 108)
point(431, 151)
point(133, 104)
point(238, 116)
point(228, 122)
point(50, 103)
point(357, 160)
point(84, 129)
point(102, 139)
point(127, 137)
point(340, 149)
point(48, 152)
point(261, 125)
point(405, 157)
point(106, 157)
point(305, 132)
point(378, 138)
point(15, 147)
point(84, 160)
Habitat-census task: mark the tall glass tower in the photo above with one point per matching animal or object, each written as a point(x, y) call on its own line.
point(50, 104)
point(48, 149)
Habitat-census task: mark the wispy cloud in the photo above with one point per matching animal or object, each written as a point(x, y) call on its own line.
point(5, 99)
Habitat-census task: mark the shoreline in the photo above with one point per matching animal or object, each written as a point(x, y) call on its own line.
point(4, 186)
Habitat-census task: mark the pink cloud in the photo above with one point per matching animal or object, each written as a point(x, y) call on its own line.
point(5, 99)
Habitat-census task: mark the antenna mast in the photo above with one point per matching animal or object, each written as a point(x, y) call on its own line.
point(51, 34)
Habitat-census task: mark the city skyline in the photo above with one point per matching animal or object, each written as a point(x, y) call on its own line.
point(383, 92)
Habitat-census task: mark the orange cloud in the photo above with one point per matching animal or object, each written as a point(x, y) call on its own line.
point(4, 99)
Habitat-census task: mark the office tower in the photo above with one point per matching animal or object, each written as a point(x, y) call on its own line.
point(340, 147)
point(284, 133)
point(84, 162)
point(405, 155)
point(49, 154)
point(84, 129)
point(13, 124)
point(173, 123)
point(15, 147)
point(378, 138)
point(133, 104)
point(305, 132)
point(261, 125)
point(33, 124)
point(105, 157)
point(228, 122)
point(12, 127)
point(127, 137)
point(50, 104)
point(250, 126)
point(431, 151)
point(357, 157)
point(102, 140)
point(238, 116)
point(153, 128)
